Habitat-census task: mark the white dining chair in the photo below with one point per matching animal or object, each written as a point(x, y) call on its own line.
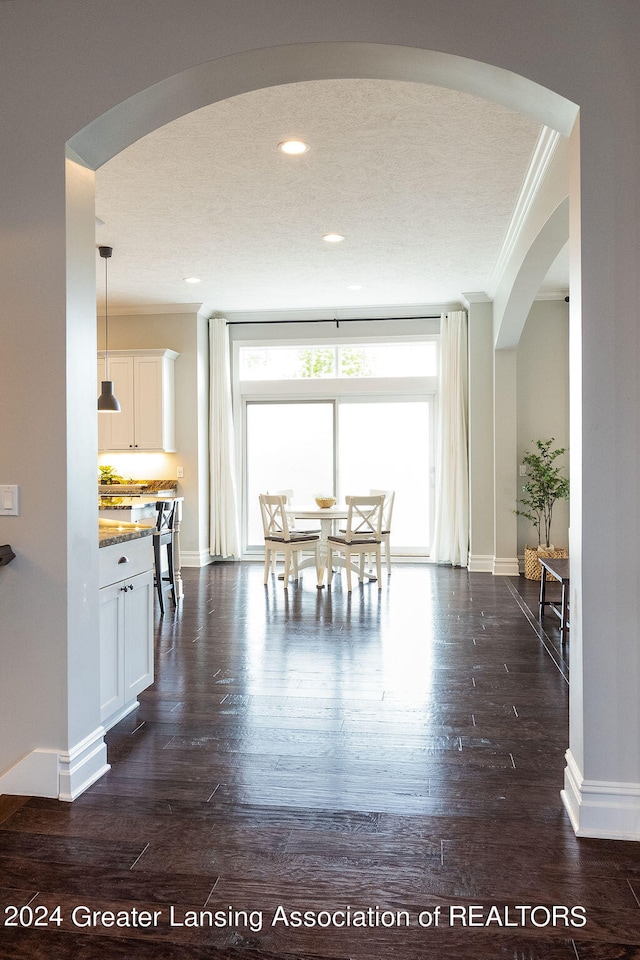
point(361, 537)
point(387, 513)
point(294, 525)
point(279, 538)
point(288, 498)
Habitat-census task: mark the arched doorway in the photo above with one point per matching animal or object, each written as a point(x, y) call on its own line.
point(217, 80)
point(220, 79)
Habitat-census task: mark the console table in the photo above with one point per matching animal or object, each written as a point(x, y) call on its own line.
point(559, 570)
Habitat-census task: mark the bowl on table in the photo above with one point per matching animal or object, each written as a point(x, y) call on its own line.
point(325, 502)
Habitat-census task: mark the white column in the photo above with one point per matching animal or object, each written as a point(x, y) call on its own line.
point(51, 742)
point(505, 559)
point(602, 777)
point(83, 754)
point(481, 505)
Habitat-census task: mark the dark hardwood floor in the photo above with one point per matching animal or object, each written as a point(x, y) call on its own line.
point(399, 754)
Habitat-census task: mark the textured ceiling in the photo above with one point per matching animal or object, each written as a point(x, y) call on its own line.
point(422, 181)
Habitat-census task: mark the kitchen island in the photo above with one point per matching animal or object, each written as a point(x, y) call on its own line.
point(126, 616)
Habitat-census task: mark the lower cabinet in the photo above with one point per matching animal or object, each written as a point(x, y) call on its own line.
point(126, 632)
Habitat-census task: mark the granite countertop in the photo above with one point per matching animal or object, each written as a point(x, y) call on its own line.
point(123, 502)
point(135, 495)
point(152, 488)
point(117, 531)
point(133, 503)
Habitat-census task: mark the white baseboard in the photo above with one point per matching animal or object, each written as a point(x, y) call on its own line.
point(36, 775)
point(120, 714)
point(195, 558)
point(480, 563)
point(408, 558)
point(60, 775)
point(505, 567)
point(82, 765)
point(605, 810)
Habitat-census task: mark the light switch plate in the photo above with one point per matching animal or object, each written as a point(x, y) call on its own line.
point(8, 500)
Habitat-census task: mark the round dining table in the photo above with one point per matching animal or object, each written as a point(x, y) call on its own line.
point(327, 517)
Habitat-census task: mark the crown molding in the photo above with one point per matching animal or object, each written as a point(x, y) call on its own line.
point(478, 297)
point(552, 294)
point(148, 309)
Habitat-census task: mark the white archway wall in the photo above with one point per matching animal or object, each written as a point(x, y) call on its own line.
point(540, 256)
point(217, 80)
point(543, 232)
point(45, 103)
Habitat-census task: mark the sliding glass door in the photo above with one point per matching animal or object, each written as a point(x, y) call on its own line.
point(339, 418)
point(386, 445)
point(288, 446)
point(343, 447)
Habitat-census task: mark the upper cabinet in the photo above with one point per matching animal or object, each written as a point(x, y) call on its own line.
point(143, 382)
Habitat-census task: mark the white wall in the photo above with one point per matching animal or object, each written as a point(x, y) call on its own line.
point(542, 361)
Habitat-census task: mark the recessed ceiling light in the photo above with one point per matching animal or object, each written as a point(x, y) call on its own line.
point(293, 147)
point(192, 280)
point(333, 238)
point(354, 286)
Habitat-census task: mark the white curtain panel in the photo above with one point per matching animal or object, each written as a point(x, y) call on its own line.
point(224, 536)
point(451, 531)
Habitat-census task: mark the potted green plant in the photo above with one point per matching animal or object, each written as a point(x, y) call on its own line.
point(544, 486)
point(108, 475)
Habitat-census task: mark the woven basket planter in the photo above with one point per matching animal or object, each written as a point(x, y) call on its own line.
point(532, 568)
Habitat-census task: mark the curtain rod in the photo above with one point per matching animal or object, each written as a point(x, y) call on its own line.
point(240, 323)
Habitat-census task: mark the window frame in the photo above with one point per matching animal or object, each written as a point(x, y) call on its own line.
point(336, 389)
point(336, 345)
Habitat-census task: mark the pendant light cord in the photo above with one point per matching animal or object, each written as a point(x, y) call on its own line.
point(107, 401)
point(105, 253)
point(106, 320)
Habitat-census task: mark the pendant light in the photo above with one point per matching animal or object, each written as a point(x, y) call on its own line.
point(107, 401)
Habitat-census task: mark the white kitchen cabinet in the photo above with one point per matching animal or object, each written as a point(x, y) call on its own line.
point(126, 626)
point(143, 382)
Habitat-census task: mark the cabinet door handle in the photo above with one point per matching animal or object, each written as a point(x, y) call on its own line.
point(127, 586)
point(123, 560)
